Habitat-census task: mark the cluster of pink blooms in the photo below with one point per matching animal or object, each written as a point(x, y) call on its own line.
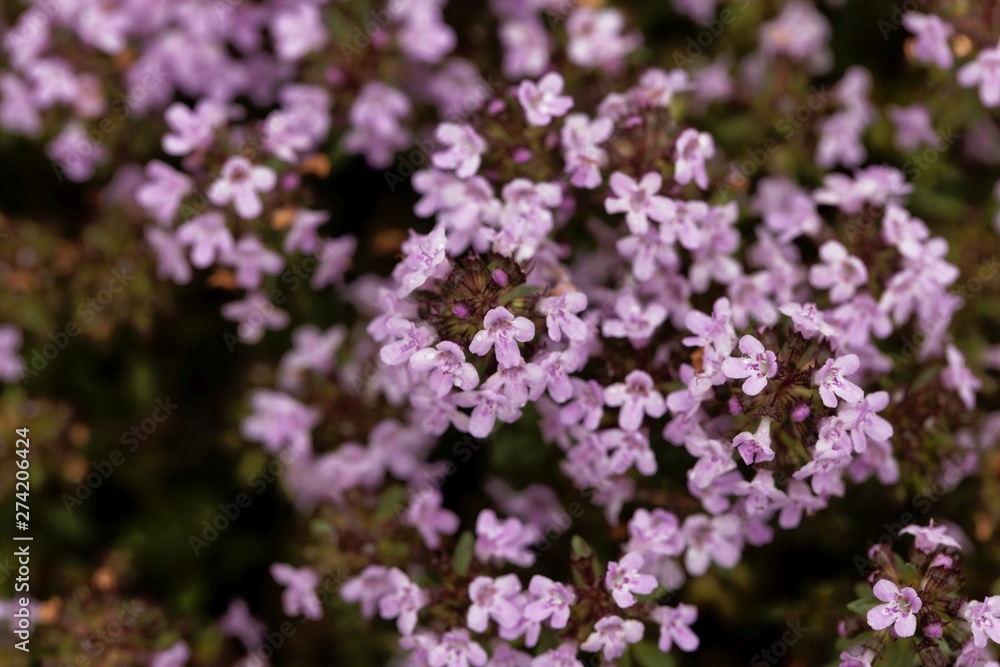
point(654, 325)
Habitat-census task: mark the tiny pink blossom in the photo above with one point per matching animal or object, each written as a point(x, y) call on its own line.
point(429, 518)
point(693, 148)
point(758, 366)
point(931, 538)
point(543, 101)
point(552, 601)
point(640, 201)
point(900, 608)
point(501, 332)
point(446, 367)
point(636, 397)
point(984, 72)
point(624, 578)
point(756, 447)
point(675, 627)
point(612, 635)
point(239, 183)
point(465, 149)
point(832, 383)
point(840, 272)
point(403, 602)
point(493, 598)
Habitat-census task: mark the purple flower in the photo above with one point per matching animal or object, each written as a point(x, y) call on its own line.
point(900, 608)
point(581, 139)
point(758, 366)
point(984, 71)
point(446, 367)
point(862, 660)
point(543, 101)
point(709, 539)
point(756, 447)
point(506, 541)
point(798, 499)
point(11, 364)
point(526, 46)
point(931, 538)
point(596, 39)
point(429, 518)
point(693, 148)
point(552, 601)
point(239, 183)
point(177, 655)
point(958, 378)
point(300, 590)
point(250, 257)
point(654, 532)
point(638, 201)
point(75, 153)
point(279, 421)
point(408, 339)
point(302, 235)
point(367, 588)
point(675, 627)
point(636, 397)
point(210, 241)
point(800, 32)
point(624, 578)
point(984, 619)
point(587, 404)
point(487, 406)
point(161, 195)
point(563, 656)
point(634, 322)
point(465, 151)
point(787, 211)
point(376, 129)
point(192, 130)
point(491, 598)
point(832, 383)
point(840, 272)
point(456, 649)
point(913, 127)
point(612, 635)
point(560, 315)
point(931, 44)
point(297, 28)
point(715, 329)
point(425, 260)
point(171, 260)
point(238, 622)
point(255, 313)
point(862, 419)
point(403, 601)
point(501, 332)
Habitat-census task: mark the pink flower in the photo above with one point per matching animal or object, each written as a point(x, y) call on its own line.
point(758, 366)
point(161, 195)
point(552, 601)
point(298, 29)
point(984, 71)
point(675, 627)
point(596, 39)
point(250, 257)
point(300, 590)
point(636, 397)
point(367, 588)
point(984, 619)
point(487, 406)
point(425, 260)
point(693, 148)
point(959, 378)
point(581, 140)
point(832, 383)
point(560, 315)
point(501, 332)
point(563, 656)
point(192, 130)
point(456, 649)
point(429, 518)
point(755, 448)
point(840, 272)
point(931, 45)
point(716, 538)
point(639, 201)
point(504, 541)
point(280, 421)
point(715, 329)
point(612, 634)
point(931, 538)
point(543, 101)
point(634, 322)
point(900, 608)
point(209, 238)
point(465, 151)
point(491, 598)
point(11, 364)
point(446, 367)
point(239, 183)
point(404, 600)
point(624, 578)
point(176, 655)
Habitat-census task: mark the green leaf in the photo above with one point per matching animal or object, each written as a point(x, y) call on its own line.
point(648, 654)
point(899, 653)
point(580, 547)
point(462, 557)
point(862, 605)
